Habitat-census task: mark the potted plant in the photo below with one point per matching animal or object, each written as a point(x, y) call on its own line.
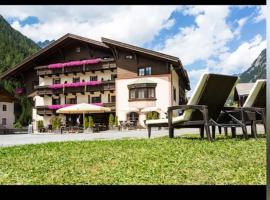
point(90, 123)
point(40, 126)
point(56, 123)
point(116, 121)
point(111, 121)
point(85, 123)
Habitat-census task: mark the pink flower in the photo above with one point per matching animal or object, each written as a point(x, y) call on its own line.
point(74, 63)
point(98, 104)
point(19, 90)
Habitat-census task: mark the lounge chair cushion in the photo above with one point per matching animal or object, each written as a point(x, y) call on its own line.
point(165, 121)
point(192, 101)
point(254, 93)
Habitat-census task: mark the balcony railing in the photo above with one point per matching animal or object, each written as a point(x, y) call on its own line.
point(45, 110)
point(105, 64)
point(104, 86)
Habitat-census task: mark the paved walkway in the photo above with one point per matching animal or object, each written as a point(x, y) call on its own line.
point(21, 139)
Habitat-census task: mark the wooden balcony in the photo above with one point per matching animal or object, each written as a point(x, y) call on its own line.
point(107, 64)
point(44, 110)
point(104, 86)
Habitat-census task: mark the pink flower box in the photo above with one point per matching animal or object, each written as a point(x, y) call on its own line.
point(78, 84)
point(19, 90)
point(74, 63)
point(56, 107)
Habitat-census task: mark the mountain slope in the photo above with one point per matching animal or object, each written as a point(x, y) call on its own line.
point(14, 46)
point(44, 43)
point(256, 71)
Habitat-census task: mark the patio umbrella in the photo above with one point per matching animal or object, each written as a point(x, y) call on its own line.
point(151, 109)
point(83, 108)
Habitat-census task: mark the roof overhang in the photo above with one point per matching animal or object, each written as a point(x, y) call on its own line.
point(47, 49)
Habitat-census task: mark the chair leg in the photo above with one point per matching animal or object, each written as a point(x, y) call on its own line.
point(149, 131)
point(219, 129)
point(207, 130)
point(254, 129)
point(233, 132)
point(213, 132)
point(202, 132)
point(171, 132)
point(244, 129)
point(226, 131)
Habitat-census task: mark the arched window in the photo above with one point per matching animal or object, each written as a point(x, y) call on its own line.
point(133, 116)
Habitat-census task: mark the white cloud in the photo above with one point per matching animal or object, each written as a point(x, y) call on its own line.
point(207, 38)
point(132, 24)
point(242, 58)
point(262, 14)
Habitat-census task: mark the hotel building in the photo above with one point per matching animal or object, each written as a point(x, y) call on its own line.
point(123, 77)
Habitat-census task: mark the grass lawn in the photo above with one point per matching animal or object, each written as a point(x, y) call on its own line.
point(155, 161)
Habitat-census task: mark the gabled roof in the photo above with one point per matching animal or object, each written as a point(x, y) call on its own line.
point(139, 49)
point(49, 47)
point(5, 96)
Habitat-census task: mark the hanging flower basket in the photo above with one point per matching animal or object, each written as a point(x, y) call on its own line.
point(78, 84)
point(58, 106)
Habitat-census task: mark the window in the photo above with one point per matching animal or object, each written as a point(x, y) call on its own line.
point(141, 72)
point(78, 49)
point(132, 94)
point(113, 99)
point(113, 77)
point(96, 99)
point(142, 93)
point(151, 92)
point(4, 121)
point(129, 57)
point(56, 101)
point(72, 101)
point(76, 79)
point(148, 71)
point(144, 71)
point(56, 81)
point(4, 107)
point(93, 78)
point(133, 116)
point(174, 94)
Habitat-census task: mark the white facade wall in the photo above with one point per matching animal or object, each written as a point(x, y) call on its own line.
point(163, 96)
point(8, 114)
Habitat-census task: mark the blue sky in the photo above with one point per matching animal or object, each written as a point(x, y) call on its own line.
point(219, 39)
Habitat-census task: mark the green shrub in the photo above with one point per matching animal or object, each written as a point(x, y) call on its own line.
point(17, 125)
point(40, 124)
point(116, 121)
point(111, 120)
point(85, 123)
point(90, 122)
point(56, 122)
point(152, 115)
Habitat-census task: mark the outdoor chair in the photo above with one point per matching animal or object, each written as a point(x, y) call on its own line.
point(205, 104)
point(251, 114)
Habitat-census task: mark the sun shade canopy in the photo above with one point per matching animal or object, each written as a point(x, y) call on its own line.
point(83, 108)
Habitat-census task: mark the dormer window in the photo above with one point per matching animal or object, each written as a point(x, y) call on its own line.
point(129, 57)
point(78, 49)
